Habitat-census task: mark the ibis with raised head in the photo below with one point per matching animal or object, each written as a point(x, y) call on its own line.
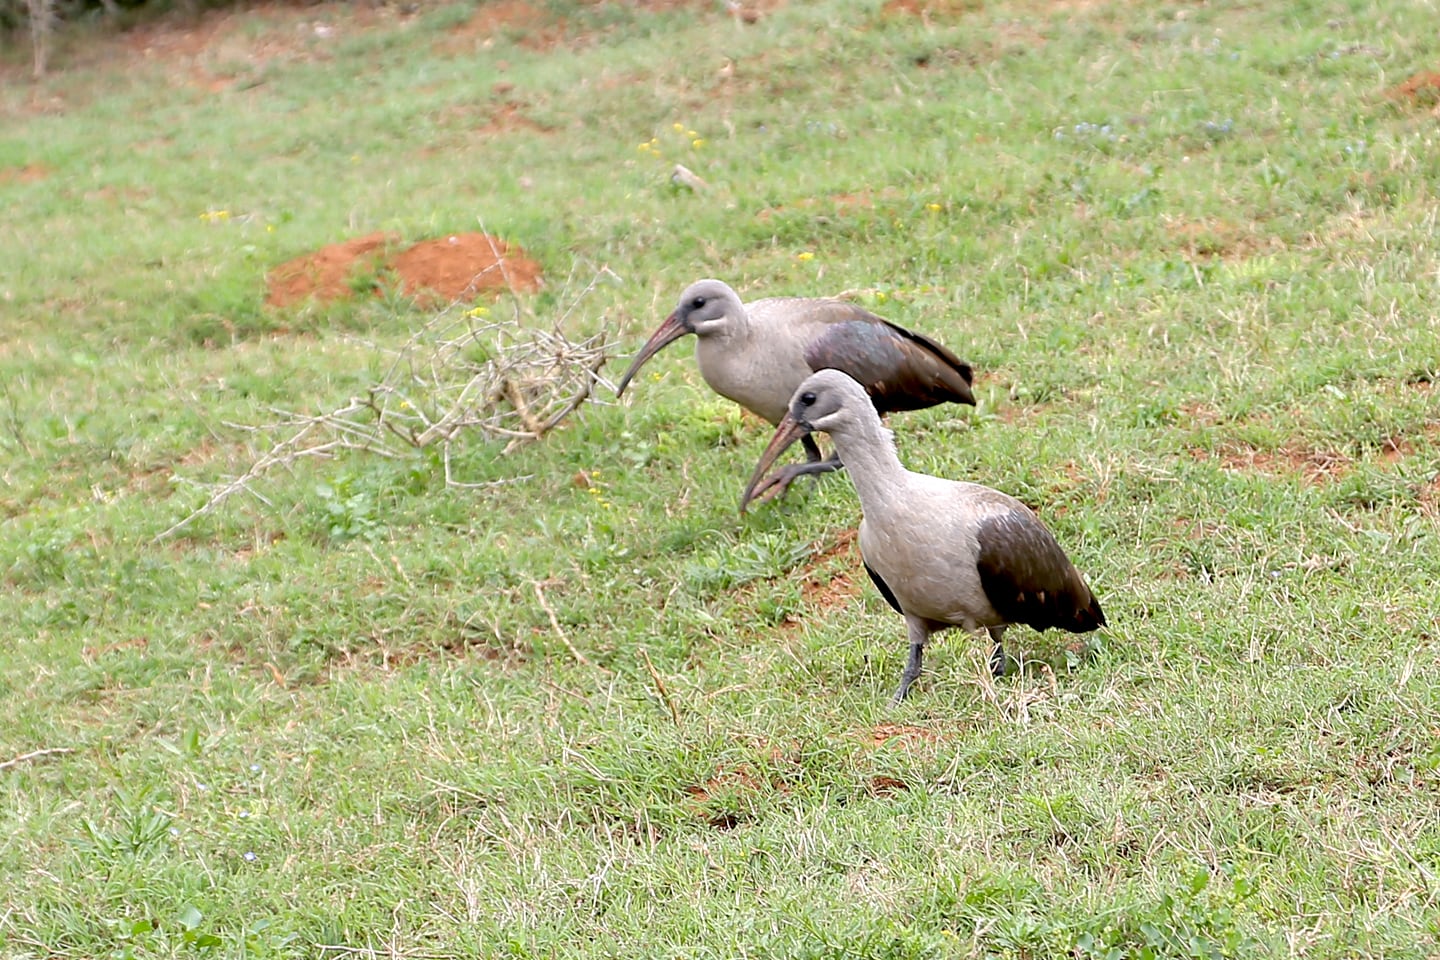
point(757, 353)
point(943, 553)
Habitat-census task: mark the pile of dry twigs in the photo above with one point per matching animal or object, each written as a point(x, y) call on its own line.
point(461, 374)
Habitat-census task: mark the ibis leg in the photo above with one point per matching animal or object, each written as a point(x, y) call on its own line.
point(778, 482)
point(918, 633)
point(999, 666)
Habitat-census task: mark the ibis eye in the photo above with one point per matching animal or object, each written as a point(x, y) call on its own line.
point(807, 398)
point(697, 303)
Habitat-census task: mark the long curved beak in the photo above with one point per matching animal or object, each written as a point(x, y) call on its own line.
point(667, 333)
point(786, 433)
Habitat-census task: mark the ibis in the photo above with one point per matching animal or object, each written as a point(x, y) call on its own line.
point(757, 353)
point(943, 553)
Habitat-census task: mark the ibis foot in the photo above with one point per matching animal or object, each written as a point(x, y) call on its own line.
point(999, 665)
point(775, 485)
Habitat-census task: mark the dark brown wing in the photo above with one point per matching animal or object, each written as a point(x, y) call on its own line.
point(901, 369)
point(1028, 579)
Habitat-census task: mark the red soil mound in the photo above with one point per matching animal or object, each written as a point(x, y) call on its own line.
point(445, 269)
point(1422, 88)
point(26, 174)
point(463, 265)
point(324, 274)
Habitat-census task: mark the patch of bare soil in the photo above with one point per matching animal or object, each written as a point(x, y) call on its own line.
point(1219, 240)
point(444, 269)
point(1423, 88)
point(221, 47)
point(324, 275)
point(1316, 466)
point(464, 265)
point(904, 734)
point(828, 594)
point(882, 786)
point(824, 591)
point(931, 9)
point(1395, 449)
point(721, 799)
point(507, 118)
point(30, 173)
point(535, 28)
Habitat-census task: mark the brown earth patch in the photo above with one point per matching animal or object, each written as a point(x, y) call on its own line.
point(535, 28)
point(30, 173)
point(825, 591)
point(1201, 414)
point(905, 734)
point(1316, 466)
point(1395, 449)
point(1422, 88)
point(882, 786)
point(325, 274)
point(444, 269)
point(717, 799)
point(931, 9)
point(463, 265)
point(829, 594)
point(91, 654)
point(844, 545)
point(509, 117)
point(953, 9)
point(1219, 239)
point(751, 11)
point(220, 48)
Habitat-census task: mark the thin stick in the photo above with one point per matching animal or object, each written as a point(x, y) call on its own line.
point(660, 687)
point(35, 755)
point(555, 625)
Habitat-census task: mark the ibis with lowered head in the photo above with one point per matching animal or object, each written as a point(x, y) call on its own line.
point(943, 553)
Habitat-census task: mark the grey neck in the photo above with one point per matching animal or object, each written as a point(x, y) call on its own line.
point(867, 449)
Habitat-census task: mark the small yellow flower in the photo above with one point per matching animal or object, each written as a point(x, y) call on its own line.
point(880, 296)
point(678, 127)
point(478, 312)
point(698, 142)
point(691, 133)
point(807, 255)
point(933, 207)
point(210, 216)
point(269, 228)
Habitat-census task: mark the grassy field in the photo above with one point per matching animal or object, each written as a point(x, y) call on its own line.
point(1190, 250)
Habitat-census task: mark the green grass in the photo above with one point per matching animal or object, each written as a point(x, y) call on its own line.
point(1190, 250)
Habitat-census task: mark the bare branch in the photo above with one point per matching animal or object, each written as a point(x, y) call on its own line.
point(459, 375)
point(35, 755)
